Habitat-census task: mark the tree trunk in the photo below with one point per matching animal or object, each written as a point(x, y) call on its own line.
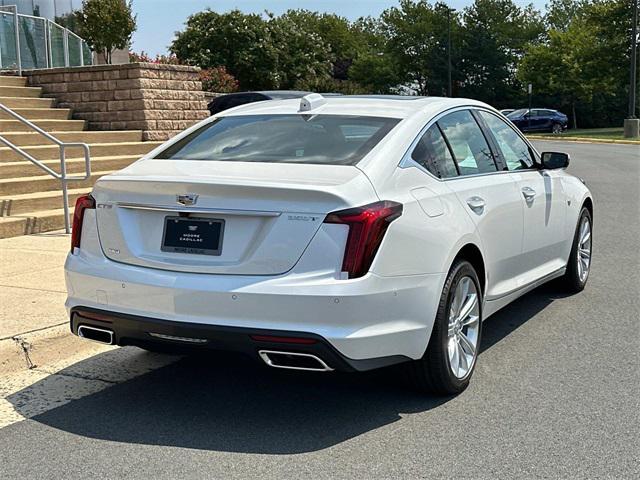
point(573, 114)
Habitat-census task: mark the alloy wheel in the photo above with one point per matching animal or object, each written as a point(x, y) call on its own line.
point(584, 249)
point(464, 328)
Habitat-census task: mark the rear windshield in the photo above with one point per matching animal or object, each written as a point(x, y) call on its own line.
point(317, 139)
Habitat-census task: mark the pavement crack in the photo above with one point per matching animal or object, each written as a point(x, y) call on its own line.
point(25, 347)
point(76, 375)
point(13, 337)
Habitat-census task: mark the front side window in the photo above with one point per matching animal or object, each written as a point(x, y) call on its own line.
point(314, 139)
point(433, 154)
point(470, 148)
point(515, 151)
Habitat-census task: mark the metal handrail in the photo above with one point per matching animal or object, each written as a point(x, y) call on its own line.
point(62, 176)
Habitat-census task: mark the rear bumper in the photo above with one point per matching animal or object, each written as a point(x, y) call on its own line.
point(361, 319)
point(192, 337)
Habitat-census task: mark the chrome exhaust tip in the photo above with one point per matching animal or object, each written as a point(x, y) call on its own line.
point(294, 361)
point(100, 335)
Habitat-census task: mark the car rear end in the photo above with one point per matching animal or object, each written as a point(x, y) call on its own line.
point(255, 235)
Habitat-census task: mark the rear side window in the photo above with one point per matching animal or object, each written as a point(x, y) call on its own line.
point(433, 154)
point(315, 139)
point(515, 151)
point(470, 148)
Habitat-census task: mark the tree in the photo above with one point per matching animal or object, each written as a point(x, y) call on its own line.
point(416, 35)
point(495, 34)
point(240, 42)
point(561, 13)
point(301, 53)
point(106, 25)
point(374, 68)
point(583, 65)
point(343, 39)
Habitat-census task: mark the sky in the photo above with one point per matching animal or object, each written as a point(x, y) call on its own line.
point(158, 20)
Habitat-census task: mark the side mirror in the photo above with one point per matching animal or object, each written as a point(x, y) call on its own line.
point(553, 160)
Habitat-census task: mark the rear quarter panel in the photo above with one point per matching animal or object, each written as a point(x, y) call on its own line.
point(432, 229)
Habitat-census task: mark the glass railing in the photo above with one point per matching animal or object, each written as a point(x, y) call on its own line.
point(39, 43)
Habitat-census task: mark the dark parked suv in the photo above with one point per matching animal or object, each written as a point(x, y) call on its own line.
point(231, 100)
point(539, 120)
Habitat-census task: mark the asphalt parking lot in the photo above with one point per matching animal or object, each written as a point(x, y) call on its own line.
point(555, 395)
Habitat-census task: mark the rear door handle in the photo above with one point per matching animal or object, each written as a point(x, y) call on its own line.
point(476, 203)
point(528, 193)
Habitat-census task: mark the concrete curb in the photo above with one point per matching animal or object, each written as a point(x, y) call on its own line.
point(582, 139)
point(42, 348)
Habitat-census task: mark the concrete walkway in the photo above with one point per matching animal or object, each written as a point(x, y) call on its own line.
point(34, 328)
point(32, 289)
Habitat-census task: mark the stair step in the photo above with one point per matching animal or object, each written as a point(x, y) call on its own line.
point(74, 165)
point(18, 205)
point(12, 81)
point(42, 183)
point(32, 222)
point(23, 92)
point(39, 114)
point(16, 102)
point(52, 152)
point(116, 136)
point(7, 126)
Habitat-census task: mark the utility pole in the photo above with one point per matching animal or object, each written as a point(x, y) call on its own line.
point(530, 92)
point(632, 124)
point(450, 88)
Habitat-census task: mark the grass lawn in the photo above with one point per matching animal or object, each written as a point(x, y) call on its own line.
point(616, 133)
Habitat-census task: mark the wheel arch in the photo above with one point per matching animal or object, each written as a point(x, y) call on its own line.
point(588, 204)
point(471, 253)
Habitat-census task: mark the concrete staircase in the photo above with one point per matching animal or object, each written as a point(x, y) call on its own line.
point(31, 200)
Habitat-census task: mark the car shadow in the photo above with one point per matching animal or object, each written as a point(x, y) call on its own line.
point(229, 403)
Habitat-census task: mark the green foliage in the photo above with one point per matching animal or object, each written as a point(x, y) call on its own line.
point(301, 52)
point(335, 33)
point(378, 72)
point(241, 42)
point(332, 85)
point(218, 80)
point(576, 55)
point(265, 52)
point(417, 34)
point(143, 57)
point(583, 65)
point(106, 25)
point(494, 38)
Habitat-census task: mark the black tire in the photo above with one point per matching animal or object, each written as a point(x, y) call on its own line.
point(432, 373)
point(572, 282)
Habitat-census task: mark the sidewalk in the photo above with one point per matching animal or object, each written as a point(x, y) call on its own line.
point(34, 328)
point(32, 280)
point(42, 365)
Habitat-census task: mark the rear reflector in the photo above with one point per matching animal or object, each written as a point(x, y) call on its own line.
point(82, 203)
point(273, 339)
point(367, 226)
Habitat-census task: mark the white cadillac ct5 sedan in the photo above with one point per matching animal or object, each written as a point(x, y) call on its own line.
point(342, 233)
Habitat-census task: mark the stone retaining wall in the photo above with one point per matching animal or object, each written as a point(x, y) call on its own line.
point(160, 100)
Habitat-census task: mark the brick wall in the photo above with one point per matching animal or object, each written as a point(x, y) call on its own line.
point(160, 100)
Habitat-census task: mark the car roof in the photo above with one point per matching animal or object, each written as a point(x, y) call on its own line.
point(395, 106)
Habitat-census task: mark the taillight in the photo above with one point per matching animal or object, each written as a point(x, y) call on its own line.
point(367, 226)
point(82, 203)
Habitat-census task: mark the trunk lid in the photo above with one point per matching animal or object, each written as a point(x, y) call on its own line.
point(269, 212)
